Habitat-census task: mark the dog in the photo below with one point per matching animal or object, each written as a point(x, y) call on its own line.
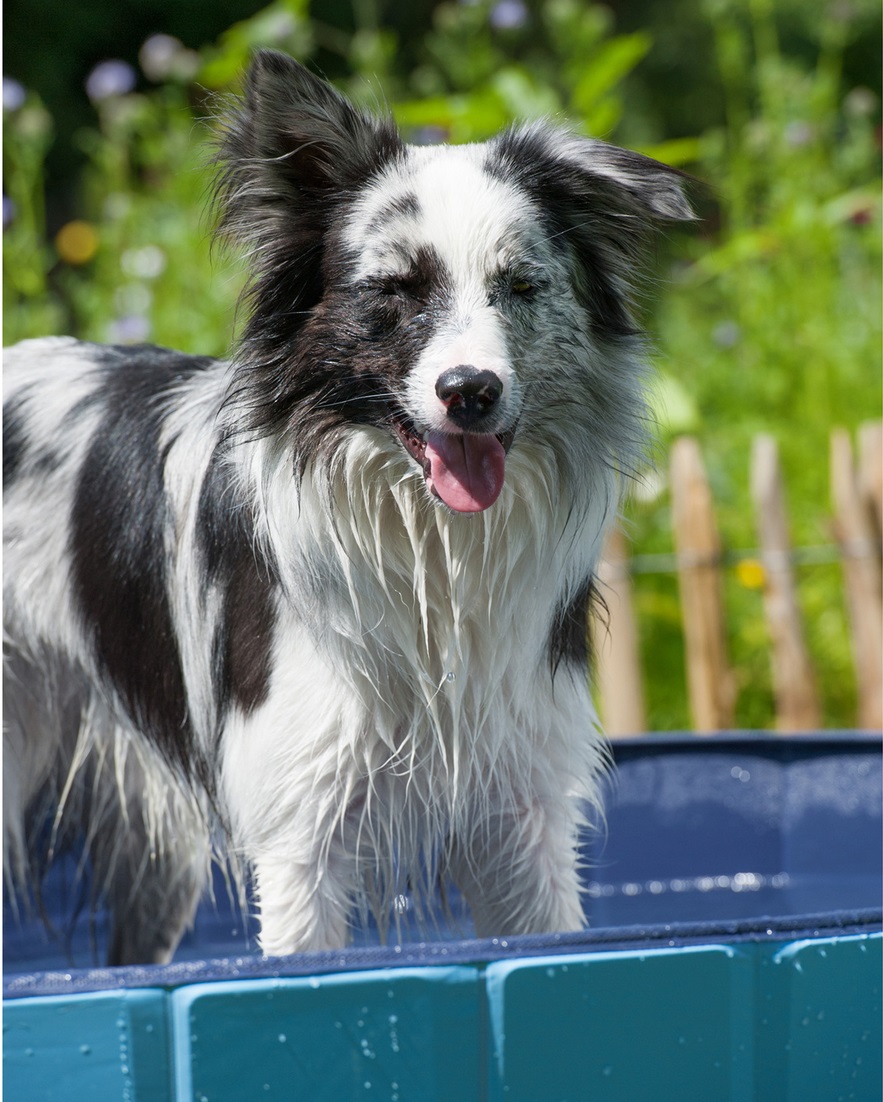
point(330, 598)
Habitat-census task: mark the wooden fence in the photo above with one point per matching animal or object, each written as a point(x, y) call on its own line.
point(856, 496)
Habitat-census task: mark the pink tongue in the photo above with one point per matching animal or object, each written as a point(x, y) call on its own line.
point(466, 470)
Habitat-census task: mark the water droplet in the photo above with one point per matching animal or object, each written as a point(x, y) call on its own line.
point(607, 1070)
point(282, 1038)
point(85, 1049)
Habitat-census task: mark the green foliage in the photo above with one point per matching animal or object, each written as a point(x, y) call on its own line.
point(30, 308)
point(771, 319)
point(562, 62)
point(774, 325)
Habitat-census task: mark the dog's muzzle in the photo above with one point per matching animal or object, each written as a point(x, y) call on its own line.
point(465, 467)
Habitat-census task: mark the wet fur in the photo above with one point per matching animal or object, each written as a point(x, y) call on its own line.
point(231, 600)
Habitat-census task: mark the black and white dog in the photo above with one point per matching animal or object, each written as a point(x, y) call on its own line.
point(332, 595)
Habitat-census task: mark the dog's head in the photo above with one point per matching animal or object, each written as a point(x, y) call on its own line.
point(459, 300)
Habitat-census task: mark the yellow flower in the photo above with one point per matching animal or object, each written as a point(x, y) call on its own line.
point(750, 573)
point(77, 242)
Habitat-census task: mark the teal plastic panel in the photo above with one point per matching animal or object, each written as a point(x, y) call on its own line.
point(666, 1025)
point(395, 1034)
point(105, 1047)
point(820, 1022)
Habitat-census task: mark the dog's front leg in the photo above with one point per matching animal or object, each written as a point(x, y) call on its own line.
point(305, 899)
point(517, 869)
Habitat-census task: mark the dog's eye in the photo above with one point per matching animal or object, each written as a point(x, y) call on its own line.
point(407, 287)
point(521, 287)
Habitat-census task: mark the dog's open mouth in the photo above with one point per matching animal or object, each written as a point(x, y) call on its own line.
point(464, 470)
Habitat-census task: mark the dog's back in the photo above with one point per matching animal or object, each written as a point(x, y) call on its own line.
point(80, 626)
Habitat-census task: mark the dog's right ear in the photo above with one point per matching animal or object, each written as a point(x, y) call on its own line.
point(303, 132)
point(291, 141)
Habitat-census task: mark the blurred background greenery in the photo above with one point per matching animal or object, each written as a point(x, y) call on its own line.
point(766, 317)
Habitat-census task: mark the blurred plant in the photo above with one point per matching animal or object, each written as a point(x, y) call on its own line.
point(775, 324)
point(493, 61)
point(30, 308)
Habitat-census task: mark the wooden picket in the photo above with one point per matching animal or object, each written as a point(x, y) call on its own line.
point(698, 547)
point(616, 644)
point(857, 525)
point(854, 530)
point(797, 702)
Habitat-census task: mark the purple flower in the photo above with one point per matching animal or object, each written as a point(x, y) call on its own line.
point(726, 334)
point(508, 14)
point(110, 78)
point(129, 329)
point(14, 94)
point(8, 211)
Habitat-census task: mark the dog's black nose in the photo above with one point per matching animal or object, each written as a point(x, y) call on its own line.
point(469, 395)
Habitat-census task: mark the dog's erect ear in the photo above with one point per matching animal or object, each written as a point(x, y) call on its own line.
point(313, 137)
point(289, 150)
point(291, 139)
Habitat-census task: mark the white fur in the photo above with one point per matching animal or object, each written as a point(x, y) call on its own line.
point(413, 725)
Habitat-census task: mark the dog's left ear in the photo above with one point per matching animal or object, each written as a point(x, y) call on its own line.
point(601, 200)
point(569, 169)
point(657, 187)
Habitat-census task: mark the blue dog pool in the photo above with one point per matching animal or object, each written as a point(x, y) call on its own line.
point(733, 954)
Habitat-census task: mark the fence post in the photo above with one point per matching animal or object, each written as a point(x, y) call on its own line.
point(870, 471)
point(797, 703)
point(709, 680)
point(616, 645)
point(854, 530)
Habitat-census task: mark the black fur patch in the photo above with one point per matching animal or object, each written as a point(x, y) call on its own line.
point(117, 538)
point(603, 225)
point(244, 636)
point(343, 367)
point(570, 639)
point(294, 154)
point(15, 439)
point(407, 205)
